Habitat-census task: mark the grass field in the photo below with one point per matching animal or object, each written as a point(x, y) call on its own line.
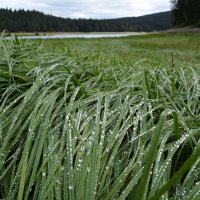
point(153, 48)
point(100, 119)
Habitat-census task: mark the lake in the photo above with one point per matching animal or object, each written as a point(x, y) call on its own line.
point(79, 35)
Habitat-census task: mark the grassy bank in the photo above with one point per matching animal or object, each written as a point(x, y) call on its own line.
point(88, 119)
point(151, 49)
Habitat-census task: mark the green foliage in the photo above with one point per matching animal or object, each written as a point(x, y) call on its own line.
point(76, 126)
point(186, 12)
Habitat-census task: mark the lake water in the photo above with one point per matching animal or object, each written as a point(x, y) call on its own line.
point(89, 35)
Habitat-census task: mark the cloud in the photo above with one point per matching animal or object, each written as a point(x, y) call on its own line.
point(90, 8)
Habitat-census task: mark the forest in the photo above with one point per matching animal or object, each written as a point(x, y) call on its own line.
point(34, 21)
point(185, 12)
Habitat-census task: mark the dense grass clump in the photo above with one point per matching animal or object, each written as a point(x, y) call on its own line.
point(85, 127)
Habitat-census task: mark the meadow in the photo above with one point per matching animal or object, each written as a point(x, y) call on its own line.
point(100, 119)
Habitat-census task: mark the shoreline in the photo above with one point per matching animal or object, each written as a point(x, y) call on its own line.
point(74, 33)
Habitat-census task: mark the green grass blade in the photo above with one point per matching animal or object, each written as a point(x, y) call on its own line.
point(144, 180)
point(176, 125)
point(184, 168)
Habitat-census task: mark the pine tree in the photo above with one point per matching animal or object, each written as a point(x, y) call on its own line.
point(185, 12)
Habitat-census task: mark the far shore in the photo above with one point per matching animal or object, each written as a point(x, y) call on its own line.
point(173, 30)
point(78, 33)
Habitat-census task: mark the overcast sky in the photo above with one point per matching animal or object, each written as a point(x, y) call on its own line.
point(90, 8)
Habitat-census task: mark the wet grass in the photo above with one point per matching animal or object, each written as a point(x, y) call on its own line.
point(87, 119)
point(155, 48)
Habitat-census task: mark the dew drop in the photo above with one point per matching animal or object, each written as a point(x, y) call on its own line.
point(70, 187)
point(88, 169)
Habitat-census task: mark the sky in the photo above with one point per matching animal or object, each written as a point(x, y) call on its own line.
point(98, 9)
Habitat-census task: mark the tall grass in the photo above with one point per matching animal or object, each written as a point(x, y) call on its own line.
point(79, 127)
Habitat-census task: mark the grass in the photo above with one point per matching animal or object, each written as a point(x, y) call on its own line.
point(152, 49)
point(100, 118)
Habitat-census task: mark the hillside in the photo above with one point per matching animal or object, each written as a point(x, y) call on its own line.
point(34, 21)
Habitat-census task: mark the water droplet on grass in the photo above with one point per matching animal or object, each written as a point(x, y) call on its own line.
point(70, 187)
point(88, 169)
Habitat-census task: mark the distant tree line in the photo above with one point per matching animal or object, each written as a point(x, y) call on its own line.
point(186, 12)
point(34, 21)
